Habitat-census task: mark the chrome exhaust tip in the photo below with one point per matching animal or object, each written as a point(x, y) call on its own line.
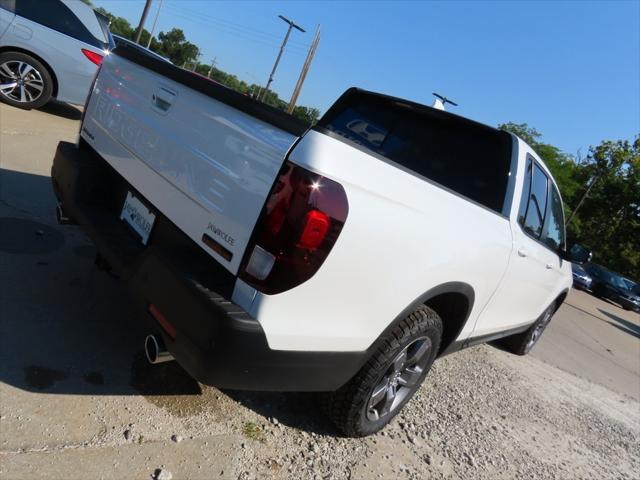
point(61, 217)
point(156, 351)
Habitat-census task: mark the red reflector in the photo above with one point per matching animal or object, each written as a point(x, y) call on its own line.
point(164, 323)
point(93, 56)
point(316, 225)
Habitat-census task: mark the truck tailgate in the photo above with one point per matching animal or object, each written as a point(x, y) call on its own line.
point(203, 162)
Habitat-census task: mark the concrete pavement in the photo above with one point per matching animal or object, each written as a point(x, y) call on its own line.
point(596, 340)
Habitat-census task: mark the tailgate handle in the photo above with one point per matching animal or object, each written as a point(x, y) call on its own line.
point(162, 99)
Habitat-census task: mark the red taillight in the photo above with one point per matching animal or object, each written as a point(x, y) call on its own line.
point(316, 225)
point(93, 56)
point(297, 229)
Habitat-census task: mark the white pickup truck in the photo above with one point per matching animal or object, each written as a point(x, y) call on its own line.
point(342, 258)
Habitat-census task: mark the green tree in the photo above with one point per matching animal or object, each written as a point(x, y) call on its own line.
point(117, 25)
point(601, 196)
point(308, 114)
point(175, 46)
point(608, 219)
point(562, 166)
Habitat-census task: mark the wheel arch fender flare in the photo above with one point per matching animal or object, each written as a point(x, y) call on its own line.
point(562, 296)
point(460, 289)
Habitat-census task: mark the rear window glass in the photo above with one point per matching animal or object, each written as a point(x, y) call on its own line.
point(57, 16)
point(471, 159)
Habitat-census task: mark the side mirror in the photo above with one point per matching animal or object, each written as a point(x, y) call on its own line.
point(577, 254)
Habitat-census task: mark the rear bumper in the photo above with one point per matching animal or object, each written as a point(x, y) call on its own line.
point(581, 283)
point(628, 304)
point(216, 341)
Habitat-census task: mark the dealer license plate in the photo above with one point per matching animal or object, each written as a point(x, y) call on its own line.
point(139, 217)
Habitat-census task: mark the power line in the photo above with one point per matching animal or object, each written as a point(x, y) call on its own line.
point(226, 29)
point(236, 34)
point(235, 25)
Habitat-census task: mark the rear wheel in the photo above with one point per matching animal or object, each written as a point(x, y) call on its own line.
point(376, 394)
point(24, 81)
point(522, 343)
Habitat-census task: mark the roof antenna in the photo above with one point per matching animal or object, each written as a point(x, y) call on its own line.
point(441, 101)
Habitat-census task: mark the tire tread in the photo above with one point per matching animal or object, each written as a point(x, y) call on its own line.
point(343, 406)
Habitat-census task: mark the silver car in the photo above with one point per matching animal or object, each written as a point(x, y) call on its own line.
point(49, 49)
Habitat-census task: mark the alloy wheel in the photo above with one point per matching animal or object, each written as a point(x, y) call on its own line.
point(20, 81)
point(400, 379)
point(539, 328)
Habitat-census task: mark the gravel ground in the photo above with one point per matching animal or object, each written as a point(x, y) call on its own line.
point(481, 414)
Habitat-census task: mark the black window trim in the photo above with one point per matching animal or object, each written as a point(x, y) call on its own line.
point(544, 219)
point(553, 186)
point(510, 192)
point(384, 159)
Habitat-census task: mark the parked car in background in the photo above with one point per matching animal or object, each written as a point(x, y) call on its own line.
point(49, 49)
point(631, 301)
point(121, 41)
point(581, 278)
point(608, 284)
point(630, 283)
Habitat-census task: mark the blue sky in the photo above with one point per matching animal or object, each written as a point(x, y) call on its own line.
point(570, 69)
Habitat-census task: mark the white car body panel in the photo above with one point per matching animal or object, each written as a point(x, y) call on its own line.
point(536, 276)
point(6, 17)
point(395, 246)
point(200, 162)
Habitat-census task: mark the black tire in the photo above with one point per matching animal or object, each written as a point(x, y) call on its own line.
point(33, 89)
point(522, 343)
point(349, 407)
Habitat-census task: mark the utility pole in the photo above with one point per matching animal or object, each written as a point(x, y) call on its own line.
point(584, 196)
point(155, 20)
point(284, 43)
point(303, 72)
point(142, 20)
point(196, 63)
point(213, 63)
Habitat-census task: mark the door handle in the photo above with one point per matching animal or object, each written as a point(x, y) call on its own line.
point(549, 266)
point(522, 252)
point(162, 99)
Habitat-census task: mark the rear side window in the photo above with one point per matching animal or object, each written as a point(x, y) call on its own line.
point(534, 200)
point(468, 158)
point(553, 231)
point(57, 16)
